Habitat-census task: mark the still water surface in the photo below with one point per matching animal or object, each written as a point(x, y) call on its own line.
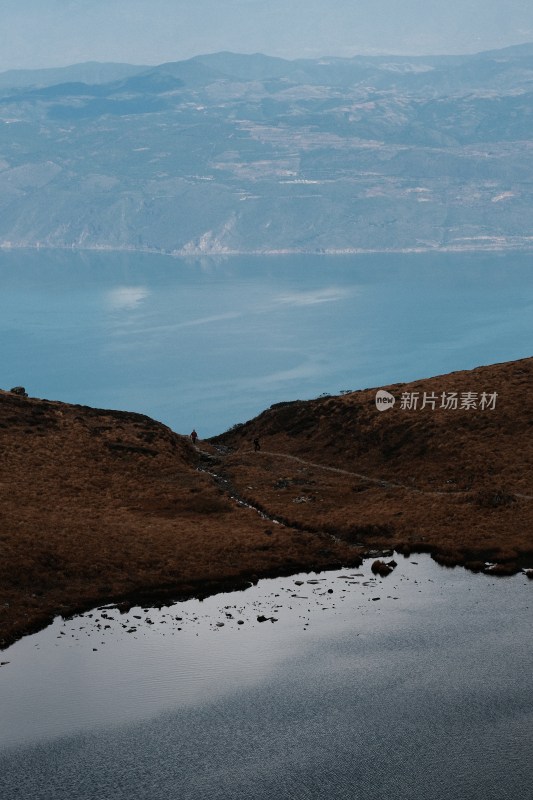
point(208, 343)
point(418, 685)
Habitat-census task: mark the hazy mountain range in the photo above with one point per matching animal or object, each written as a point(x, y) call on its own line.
point(248, 153)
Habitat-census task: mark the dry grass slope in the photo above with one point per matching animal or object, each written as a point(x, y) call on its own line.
point(100, 506)
point(457, 483)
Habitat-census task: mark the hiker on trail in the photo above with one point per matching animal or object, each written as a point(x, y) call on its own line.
point(194, 436)
point(257, 446)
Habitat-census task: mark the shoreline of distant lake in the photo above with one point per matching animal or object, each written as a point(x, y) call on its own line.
point(495, 246)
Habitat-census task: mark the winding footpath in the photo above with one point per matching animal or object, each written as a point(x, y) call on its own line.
point(378, 481)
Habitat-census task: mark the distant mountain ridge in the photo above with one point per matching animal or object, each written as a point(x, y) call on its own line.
point(230, 153)
point(88, 72)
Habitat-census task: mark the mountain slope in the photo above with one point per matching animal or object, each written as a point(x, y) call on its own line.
point(454, 481)
point(235, 153)
point(89, 72)
point(105, 506)
point(102, 506)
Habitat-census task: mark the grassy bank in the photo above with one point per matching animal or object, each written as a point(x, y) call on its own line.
point(105, 506)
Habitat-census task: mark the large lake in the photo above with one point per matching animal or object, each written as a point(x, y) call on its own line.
point(417, 687)
point(413, 687)
point(208, 343)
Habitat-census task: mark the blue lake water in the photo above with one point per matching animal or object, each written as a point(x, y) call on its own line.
point(415, 687)
point(208, 343)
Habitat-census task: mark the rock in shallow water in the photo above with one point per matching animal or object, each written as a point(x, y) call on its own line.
point(381, 568)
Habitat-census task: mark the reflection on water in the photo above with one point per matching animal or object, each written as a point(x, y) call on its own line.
point(412, 686)
point(207, 344)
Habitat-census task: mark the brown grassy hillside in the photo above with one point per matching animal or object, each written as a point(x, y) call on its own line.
point(455, 482)
point(102, 505)
point(99, 506)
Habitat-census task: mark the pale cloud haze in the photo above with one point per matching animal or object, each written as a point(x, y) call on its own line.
point(127, 297)
point(37, 34)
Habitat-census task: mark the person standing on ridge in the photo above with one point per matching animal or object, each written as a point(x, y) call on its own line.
point(194, 436)
point(257, 445)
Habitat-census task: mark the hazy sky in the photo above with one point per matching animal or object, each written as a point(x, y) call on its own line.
point(44, 33)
